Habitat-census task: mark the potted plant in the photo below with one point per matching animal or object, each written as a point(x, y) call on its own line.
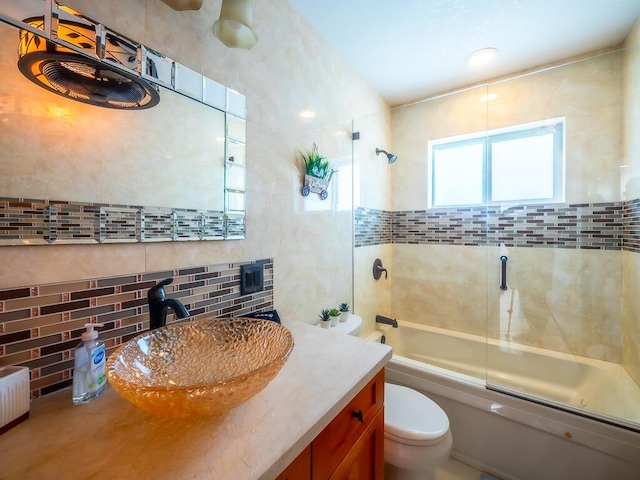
point(344, 312)
point(325, 318)
point(317, 173)
point(335, 316)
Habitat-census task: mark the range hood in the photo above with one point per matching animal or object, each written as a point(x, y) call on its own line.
point(103, 81)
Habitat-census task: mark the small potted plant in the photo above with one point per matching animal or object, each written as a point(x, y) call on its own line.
point(317, 173)
point(335, 316)
point(344, 312)
point(325, 318)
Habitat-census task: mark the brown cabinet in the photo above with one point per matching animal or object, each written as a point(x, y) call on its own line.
point(351, 446)
point(300, 468)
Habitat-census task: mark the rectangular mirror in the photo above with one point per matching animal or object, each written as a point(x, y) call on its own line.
point(74, 172)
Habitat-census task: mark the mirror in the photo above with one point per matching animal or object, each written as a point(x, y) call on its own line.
point(175, 171)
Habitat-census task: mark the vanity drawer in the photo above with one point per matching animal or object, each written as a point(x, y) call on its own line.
point(335, 442)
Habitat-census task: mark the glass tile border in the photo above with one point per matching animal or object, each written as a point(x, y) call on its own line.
point(601, 226)
point(53, 222)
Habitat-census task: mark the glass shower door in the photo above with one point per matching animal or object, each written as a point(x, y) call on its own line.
point(560, 325)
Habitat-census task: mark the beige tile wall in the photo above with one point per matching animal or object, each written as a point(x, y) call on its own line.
point(630, 186)
point(373, 297)
point(290, 69)
point(372, 189)
point(458, 286)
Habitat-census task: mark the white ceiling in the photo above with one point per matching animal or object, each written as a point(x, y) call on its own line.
point(411, 49)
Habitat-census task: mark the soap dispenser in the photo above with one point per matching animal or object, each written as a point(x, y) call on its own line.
point(89, 372)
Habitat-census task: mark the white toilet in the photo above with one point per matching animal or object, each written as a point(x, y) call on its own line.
point(417, 438)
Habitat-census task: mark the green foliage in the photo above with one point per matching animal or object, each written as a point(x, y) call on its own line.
point(324, 315)
point(334, 312)
point(344, 307)
point(315, 164)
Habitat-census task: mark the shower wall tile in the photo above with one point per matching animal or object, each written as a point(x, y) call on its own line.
point(631, 313)
point(40, 325)
point(630, 184)
point(599, 226)
point(596, 226)
point(372, 227)
point(440, 285)
point(564, 279)
point(458, 288)
point(373, 297)
point(631, 226)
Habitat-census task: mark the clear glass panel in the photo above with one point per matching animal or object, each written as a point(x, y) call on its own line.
point(563, 330)
point(330, 217)
point(522, 168)
point(458, 175)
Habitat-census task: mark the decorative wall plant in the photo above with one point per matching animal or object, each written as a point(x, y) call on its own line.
point(317, 173)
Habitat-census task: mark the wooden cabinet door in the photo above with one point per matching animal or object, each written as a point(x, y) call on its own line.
point(365, 461)
point(335, 442)
point(300, 468)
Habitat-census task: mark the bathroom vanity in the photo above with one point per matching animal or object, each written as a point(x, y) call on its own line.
point(352, 442)
point(310, 411)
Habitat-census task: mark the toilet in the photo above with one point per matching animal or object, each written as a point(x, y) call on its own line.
point(352, 326)
point(417, 438)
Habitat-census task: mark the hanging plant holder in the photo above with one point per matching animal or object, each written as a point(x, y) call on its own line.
point(317, 173)
point(316, 185)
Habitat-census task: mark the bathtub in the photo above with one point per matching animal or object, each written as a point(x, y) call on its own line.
point(564, 428)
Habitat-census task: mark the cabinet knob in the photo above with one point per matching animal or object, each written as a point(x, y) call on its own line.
point(358, 414)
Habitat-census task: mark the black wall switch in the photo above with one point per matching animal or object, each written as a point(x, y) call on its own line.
point(251, 278)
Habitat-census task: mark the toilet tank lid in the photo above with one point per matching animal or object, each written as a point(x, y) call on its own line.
point(412, 416)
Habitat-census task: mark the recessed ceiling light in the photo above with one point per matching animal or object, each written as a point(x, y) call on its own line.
point(488, 97)
point(307, 114)
point(482, 56)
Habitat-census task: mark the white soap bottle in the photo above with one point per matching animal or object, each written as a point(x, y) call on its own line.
point(89, 372)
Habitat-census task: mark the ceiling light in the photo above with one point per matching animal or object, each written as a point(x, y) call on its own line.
point(488, 97)
point(482, 56)
point(307, 114)
point(77, 77)
point(233, 28)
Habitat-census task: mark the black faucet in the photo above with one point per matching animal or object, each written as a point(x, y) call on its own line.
point(387, 321)
point(159, 304)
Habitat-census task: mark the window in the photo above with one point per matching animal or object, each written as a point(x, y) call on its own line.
point(524, 163)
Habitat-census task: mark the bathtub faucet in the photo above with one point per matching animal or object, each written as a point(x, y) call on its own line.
point(387, 321)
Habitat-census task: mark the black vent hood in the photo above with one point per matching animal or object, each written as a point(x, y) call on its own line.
point(73, 75)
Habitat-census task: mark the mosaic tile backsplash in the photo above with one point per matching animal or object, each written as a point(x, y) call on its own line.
point(608, 226)
point(40, 325)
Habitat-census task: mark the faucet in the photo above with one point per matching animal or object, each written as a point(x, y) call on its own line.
point(387, 321)
point(159, 304)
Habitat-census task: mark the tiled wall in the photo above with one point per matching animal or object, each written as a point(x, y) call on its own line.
point(40, 325)
point(47, 222)
point(372, 227)
point(608, 226)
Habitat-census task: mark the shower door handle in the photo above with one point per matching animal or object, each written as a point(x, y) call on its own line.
point(503, 280)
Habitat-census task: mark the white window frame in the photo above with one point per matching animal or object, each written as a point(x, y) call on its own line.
point(555, 125)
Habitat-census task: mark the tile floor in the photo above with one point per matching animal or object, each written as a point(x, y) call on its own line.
point(455, 470)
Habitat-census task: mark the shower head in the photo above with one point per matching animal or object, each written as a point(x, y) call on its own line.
point(390, 156)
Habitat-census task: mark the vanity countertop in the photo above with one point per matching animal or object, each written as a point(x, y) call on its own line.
point(110, 438)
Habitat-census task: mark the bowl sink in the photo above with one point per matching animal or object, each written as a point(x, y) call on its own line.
point(201, 368)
